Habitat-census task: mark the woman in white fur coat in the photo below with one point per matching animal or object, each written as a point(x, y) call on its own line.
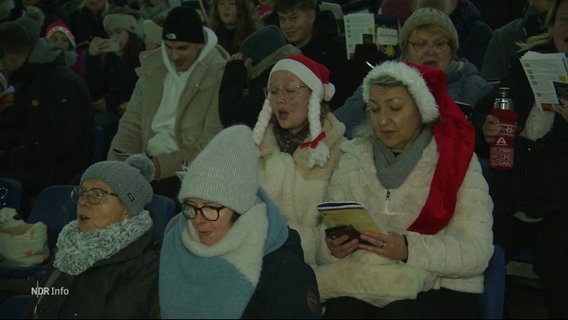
point(412, 165)
point(299, 141)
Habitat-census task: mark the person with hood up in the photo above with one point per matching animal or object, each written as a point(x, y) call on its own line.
point(230, 253)
point(173, 112)
point(46, 137)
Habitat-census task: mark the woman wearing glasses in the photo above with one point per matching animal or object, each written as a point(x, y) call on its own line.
point(428, 37)
point(299, 143)
point(231, 254)
point(106, 263)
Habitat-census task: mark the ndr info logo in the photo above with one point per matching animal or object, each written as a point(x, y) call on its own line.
point(48, 291)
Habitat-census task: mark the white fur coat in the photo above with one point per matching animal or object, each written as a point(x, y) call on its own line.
point(295, 187)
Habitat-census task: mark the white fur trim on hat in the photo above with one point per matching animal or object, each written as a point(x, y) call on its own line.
point(413, 80)
point(302, 72)
point(63, 30)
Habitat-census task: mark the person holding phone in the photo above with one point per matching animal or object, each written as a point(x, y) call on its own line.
point(427, 190)
point(110, 68)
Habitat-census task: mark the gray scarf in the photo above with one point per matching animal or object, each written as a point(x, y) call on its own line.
point(392, 170)
point(77, 251)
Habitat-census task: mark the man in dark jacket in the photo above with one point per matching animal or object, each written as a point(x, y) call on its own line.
point(46, 136)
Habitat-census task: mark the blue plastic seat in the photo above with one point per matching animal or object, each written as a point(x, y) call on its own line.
point(99, 152)
point(492, 301)
point(15, 307)
point(162, 210)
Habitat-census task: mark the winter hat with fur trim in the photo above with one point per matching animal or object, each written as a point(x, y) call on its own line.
point(129, 179)
point(316, 77)
point(427, 85)
point(59, 25)
point(428, 16)
point(226, 171)
point(412, 80)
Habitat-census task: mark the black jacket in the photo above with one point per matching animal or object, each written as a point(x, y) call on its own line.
point(283, 273)
point(122, 286)
point(46, 137)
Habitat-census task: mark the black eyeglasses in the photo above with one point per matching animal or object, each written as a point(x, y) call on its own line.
point(210, 213)
point(94, 195)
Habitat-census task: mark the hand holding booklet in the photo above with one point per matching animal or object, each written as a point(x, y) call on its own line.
point(349, 213)
point(548, 77)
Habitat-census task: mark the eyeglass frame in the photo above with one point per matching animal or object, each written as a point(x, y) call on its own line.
point(271, 96)
point(186, 207)
point(427, 46)
point(77, 193)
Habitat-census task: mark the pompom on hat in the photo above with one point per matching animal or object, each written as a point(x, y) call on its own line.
point(454, 135)
point(129, 179)
point(316, 77)
point(60, 26)
point(226, 171)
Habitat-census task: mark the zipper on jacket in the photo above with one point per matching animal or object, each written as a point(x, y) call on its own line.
point(387, 198)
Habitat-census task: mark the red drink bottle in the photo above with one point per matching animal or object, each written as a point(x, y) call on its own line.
point(502, 150)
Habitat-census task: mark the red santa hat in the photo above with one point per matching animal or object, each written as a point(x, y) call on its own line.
point(59, 25)
point(316, 77)
point(454, 136)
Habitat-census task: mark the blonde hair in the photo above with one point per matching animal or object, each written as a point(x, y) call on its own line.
point(546, 37)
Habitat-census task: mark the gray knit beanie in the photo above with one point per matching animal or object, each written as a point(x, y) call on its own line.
point(428, 16)
point(226, 171)
point(32, 19)
point(130, 179)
